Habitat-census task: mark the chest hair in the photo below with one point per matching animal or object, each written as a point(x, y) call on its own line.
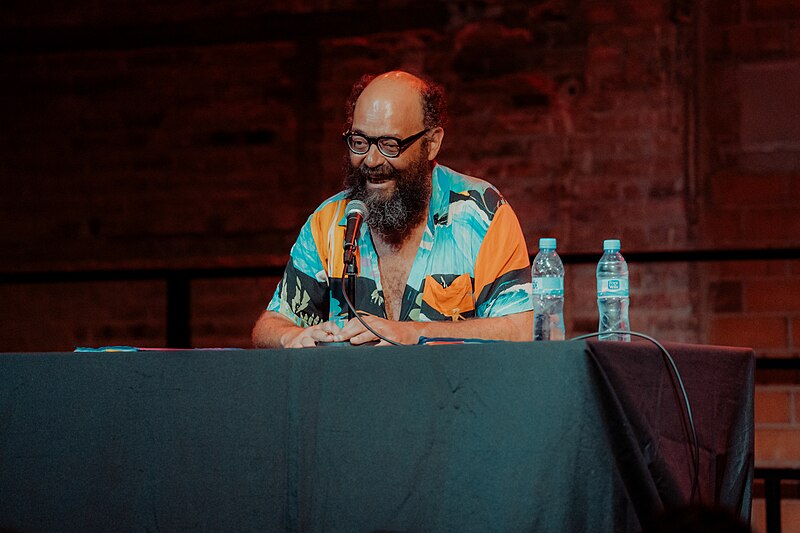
point(395, 266)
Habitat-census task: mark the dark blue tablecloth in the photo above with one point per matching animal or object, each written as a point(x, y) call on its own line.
point(561, 436)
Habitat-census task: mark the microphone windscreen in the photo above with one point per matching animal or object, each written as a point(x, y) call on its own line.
point(357, 206)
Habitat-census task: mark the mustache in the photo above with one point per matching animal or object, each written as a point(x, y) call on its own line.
point(383, 172)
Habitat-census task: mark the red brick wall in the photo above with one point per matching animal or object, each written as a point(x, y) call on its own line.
point(164, 149)
point(751, 194)
point(750, 158)
point(62, 316)
point(172, 135)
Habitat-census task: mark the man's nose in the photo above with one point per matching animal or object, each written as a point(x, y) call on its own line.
point(374, 157)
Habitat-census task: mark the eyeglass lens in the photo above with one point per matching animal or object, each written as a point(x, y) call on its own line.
point(360, 145)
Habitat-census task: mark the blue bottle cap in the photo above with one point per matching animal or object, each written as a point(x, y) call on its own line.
point(547, 243)
point(611, 244)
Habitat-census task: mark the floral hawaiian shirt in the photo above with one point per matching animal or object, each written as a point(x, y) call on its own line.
point(472, 261)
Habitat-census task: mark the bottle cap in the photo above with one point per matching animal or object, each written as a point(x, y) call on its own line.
point(547, 243)
point(611, 244)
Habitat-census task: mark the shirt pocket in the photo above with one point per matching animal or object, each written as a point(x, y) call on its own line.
point(455, 301)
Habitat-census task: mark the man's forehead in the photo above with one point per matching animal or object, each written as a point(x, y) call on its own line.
point(393, 101)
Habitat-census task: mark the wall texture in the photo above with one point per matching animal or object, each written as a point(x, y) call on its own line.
point(163, 136)
point(750, 180)
point(169, 135)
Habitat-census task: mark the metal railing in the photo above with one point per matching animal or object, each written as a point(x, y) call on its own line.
point(178, 280)
point(772, 493)
point(178, 288)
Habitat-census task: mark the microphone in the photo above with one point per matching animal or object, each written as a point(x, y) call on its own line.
point(357, 212)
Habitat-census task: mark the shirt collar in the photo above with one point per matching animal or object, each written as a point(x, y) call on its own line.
point(440, 197)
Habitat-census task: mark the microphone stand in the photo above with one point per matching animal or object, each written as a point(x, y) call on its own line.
point(350, 276)
point(349, 293)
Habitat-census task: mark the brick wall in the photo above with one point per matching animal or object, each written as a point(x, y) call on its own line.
point(157, 135)
point(750, 196)
point(62, 316)
point(750, 199)
point(167, 146)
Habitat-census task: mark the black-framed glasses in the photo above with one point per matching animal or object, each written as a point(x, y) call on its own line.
point(360, 144)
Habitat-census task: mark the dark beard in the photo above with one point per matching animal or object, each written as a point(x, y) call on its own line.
point(393, 216)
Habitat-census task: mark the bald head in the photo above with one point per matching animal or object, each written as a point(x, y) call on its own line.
point(401, 88)
point(390, 105)
point(395, 97)
point(400, 77)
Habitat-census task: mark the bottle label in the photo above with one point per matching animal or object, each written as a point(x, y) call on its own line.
point(612, 287)
point(548, 286)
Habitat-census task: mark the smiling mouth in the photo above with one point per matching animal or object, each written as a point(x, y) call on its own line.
point(378, 180)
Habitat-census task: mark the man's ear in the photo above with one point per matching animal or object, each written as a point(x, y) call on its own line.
point(435, 138)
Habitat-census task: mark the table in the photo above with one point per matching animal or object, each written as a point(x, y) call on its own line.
point(546, 436)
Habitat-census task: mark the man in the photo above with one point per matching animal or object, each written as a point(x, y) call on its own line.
point(442, 255)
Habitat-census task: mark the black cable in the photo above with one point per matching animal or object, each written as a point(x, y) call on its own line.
point(689, 418)
point(358, 316)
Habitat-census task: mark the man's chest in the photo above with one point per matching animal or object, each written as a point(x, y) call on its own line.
point(394, 274)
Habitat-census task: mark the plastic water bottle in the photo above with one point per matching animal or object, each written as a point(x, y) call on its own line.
point(612, 293)
point(548, 293)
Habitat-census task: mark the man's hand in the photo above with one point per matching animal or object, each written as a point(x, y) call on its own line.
point(400, 332)
point(310, 336)
point(516, 327)
point(273, 330)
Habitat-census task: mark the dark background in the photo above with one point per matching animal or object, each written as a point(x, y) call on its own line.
point(173, 135)
point(195, 135)
point(153, 137)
